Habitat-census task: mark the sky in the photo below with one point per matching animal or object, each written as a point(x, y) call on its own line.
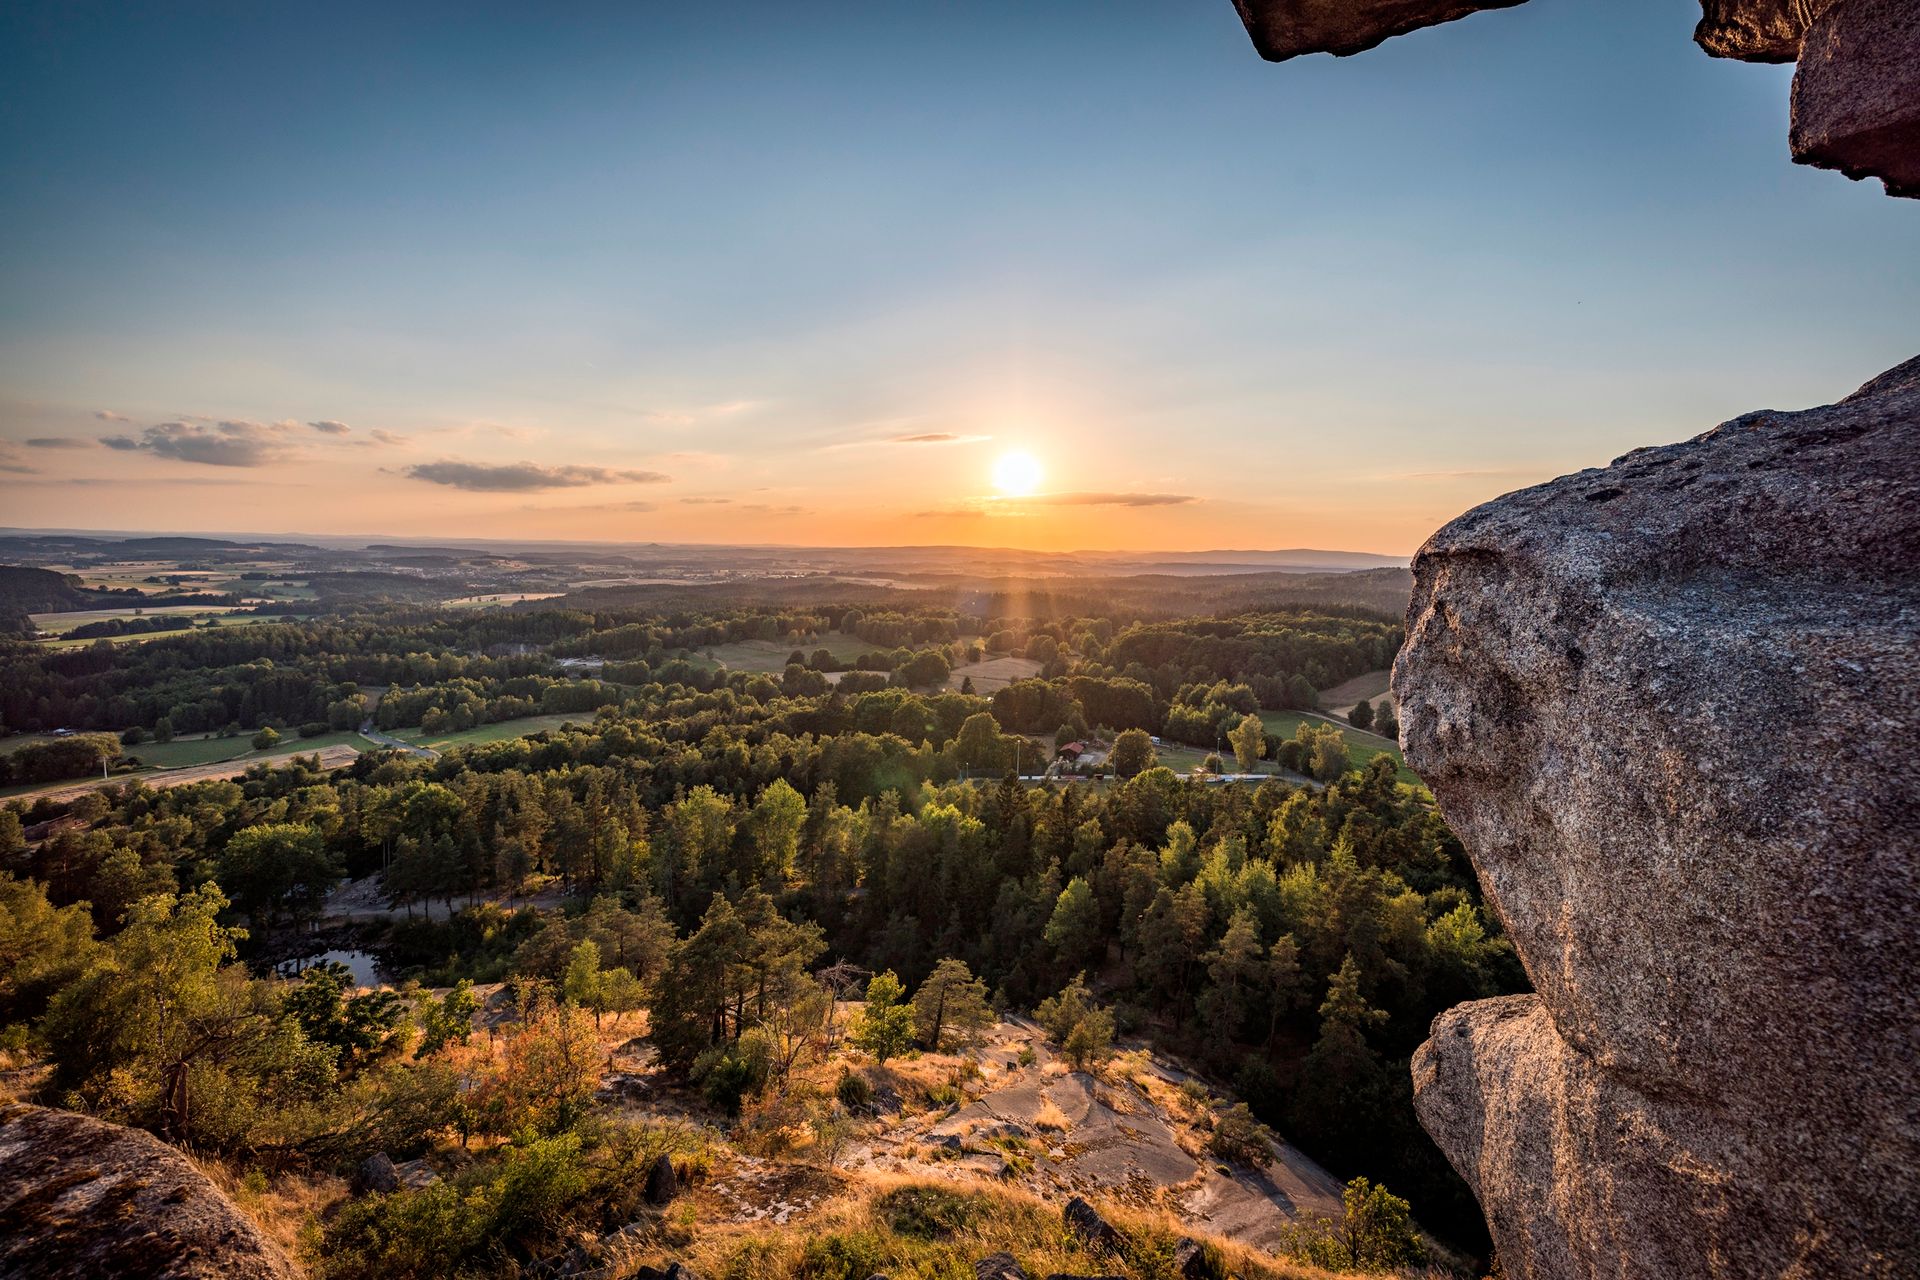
point(812, 274)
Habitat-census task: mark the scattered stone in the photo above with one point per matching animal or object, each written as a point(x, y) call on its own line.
point(415, 1174)
point(377, 1174)
point(1856, 94)
point(662, 1183)
point(1669, 709)
point(672, 1271)
point(949, 1142)
point(1283, 29)
point(1193, 1261)
point(1093, 1230)
point(998, 1266)
point(80, 1197)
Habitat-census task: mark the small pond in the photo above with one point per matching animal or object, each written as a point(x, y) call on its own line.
point(363, 965)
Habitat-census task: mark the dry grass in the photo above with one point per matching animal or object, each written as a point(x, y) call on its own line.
point(936, 1230)
point(1050, 1117)
point(288, 1207)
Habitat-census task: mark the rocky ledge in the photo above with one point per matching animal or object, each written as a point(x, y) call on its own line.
point(1670, 707)
point(80, 1197)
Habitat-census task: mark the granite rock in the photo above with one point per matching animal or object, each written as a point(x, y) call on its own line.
point(80, 1197)
point(1283, 29)
point(1669, 707)
point(1856, 93)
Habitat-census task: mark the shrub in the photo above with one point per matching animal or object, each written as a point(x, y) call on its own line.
point(929, 1213)
point(854, 1091)
point(1241, 1139)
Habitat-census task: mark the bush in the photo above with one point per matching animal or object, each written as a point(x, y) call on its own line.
point(1240, 1139)
point(854, 1091)
point(313, 728)
point(929, 1213)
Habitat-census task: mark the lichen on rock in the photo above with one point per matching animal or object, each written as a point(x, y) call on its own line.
point(1670, 707)
point(80, 1197)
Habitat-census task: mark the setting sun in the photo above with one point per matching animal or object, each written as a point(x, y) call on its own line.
point(1017, 475)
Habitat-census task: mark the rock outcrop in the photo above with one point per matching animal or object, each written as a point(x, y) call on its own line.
point(79, 1197)
point(1283, 29)
point(1856, 93)
point(1755, 30)
point(1671, 707)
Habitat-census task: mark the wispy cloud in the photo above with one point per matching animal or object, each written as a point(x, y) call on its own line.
point(57, 442)
point(108, 415)
point(764, 509)
point(951, 513)
point(524, 477)
point(328, 427)
point(937, 437)
point(1095, 499)
point(705, 502)
point(233, 443)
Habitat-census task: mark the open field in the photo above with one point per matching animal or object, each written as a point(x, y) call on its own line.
point(772, 655)
point(61, 623)
point(331, 757)
point(1343, 697)
point(499, 731)
point(200, 619)
point(501, 598)
point(1361, 747)
point(183, 752)
point(994, 673)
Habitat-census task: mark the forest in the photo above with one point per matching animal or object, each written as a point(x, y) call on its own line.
point(709, 853)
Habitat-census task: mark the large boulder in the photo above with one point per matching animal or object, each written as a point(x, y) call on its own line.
point(1755, 30)
point(79, 1197)
point(1283, 29)
point(1670, 707)
point(1856, 93)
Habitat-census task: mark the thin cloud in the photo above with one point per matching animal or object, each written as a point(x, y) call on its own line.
point(951, 513)
point(937, 437)
point(233, 443)
point(524, 477)
point(108, 415)
point(57, 442)
point(704, 502)
point(761, 508)
point(328, 427)
point(1106, 499)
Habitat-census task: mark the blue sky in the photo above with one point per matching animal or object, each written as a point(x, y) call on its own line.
point(704, 273)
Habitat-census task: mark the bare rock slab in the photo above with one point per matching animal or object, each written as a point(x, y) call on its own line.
point(1856, 93)
point(1283, 29)
point(80, 1197)
point(1669, 707)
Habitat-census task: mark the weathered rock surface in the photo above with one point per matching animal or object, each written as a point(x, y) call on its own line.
point(1093, 1230)
point(1856, 93)
point(1755, 30)
point(1283, 29)
point(662, 1183)
point(998, 1266)
point(79, 1197)
point(1670, 707)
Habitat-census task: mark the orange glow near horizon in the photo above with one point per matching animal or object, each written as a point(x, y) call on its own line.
point(1017, 474)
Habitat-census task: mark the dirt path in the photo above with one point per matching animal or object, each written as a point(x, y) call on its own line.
point(366, 899)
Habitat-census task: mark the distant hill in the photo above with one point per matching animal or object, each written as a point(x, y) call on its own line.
point(26, 591)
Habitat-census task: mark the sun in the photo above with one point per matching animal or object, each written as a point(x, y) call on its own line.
point(1017, 475)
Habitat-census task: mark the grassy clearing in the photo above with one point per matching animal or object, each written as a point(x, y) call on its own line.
point(1367, 685)
point(772, 655)
point(1362, 747)
point(499, 731)
point(994, 673)
point(183, 752)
